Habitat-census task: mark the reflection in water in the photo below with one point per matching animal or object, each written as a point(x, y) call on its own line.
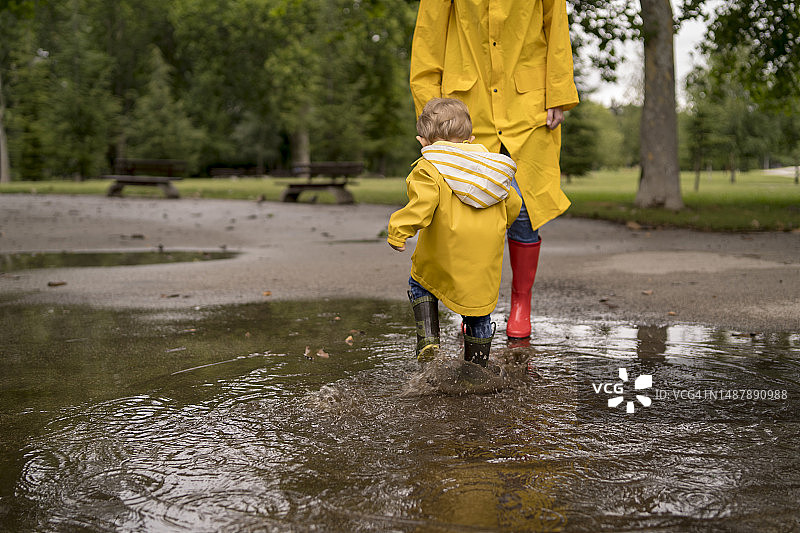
point(652, 342)
point(217, 421)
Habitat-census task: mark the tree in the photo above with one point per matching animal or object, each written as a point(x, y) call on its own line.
point(28, 117)
point(628, 118)
point(769, 33)
point(12, 16)
point(612, 22)
point(579, 153)
point(5, 168)
point(158, 125)
point(83, 110)
point(727, 126)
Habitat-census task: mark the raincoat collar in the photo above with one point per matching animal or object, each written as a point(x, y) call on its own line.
point(478, 177)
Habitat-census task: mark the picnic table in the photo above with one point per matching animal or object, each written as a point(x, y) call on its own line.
point(146, 172)
point(336, 175)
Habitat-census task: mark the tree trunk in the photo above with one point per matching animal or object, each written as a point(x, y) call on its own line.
point(697, 175)
point(732, 160)
point(659, 184)
point(301, 150)
point(5, 167)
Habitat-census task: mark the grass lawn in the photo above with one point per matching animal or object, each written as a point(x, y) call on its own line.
point(756, 202)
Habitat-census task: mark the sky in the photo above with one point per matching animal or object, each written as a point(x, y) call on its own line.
point(686, 56)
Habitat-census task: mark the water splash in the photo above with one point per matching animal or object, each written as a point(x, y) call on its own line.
point(257, 437)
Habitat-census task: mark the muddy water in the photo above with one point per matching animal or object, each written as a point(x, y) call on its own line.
point(229, 420)
point(26, 261)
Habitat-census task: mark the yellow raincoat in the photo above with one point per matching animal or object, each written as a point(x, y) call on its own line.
point(508, 61)
point(459, 253)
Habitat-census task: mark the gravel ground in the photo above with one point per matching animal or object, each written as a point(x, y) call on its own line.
point(589, 270)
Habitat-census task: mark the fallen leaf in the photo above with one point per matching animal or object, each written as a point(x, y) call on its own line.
point(247, 334)
point(137, 236)
point(349, 340)
point(337, 318)
point(358, 332)
point(56, 283)
point(672, 313)
point(266, 293)
point(633, 225)
point(170, 295)
point(322, 353)
point(647, 292)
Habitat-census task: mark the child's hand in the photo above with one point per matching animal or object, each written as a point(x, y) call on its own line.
point(401, 248)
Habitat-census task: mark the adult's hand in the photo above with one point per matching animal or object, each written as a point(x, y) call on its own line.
point(401, 248)
point(555, 116)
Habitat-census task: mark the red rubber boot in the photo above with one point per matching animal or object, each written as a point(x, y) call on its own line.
point(524, 261)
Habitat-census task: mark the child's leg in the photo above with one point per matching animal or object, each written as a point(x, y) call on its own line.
point(426, 315)
point(478, 339)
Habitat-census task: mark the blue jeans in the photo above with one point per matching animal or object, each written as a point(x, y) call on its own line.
point(476, 326)
point(521, 229)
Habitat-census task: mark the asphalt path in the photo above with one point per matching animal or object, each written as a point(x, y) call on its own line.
point(589, 270)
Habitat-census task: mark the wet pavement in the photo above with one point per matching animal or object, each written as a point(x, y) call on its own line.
point(588, 270)
point(275, 390)
point(313, 416)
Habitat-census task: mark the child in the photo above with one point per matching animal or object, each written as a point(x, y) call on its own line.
point(461, 201)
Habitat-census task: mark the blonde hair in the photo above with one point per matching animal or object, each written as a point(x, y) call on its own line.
point(445, 119)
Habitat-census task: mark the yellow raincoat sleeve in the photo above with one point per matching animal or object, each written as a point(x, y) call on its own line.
point(513, 207)
point(560, 85)
point(423, 198)
point(430, 41)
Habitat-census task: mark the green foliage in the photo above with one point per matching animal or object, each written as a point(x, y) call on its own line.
point(159, 127)
point(628, 119)
point(83, 111)
point(234, 82)
point(579, 152)
point(726, 127)
point(60, 111)
point(27, 119)
point(768, 33)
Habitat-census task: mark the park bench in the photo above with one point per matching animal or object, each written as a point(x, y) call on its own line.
point(336, 174)
point(147, 172)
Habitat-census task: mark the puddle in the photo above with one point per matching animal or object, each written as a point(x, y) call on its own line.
point(29, 261)
point(223, 420)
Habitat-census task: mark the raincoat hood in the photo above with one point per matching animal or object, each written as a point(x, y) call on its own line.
point(478, 177)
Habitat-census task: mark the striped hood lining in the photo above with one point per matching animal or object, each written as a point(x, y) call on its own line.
point(477, 177)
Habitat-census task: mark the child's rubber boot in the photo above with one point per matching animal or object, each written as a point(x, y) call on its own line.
point(426, 316)
point(524, 262)
point(476, 349)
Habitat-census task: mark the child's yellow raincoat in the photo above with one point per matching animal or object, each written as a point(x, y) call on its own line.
point(508, 61)
point(459, 253)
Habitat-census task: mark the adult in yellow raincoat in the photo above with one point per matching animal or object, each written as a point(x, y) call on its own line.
point(510, 61)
